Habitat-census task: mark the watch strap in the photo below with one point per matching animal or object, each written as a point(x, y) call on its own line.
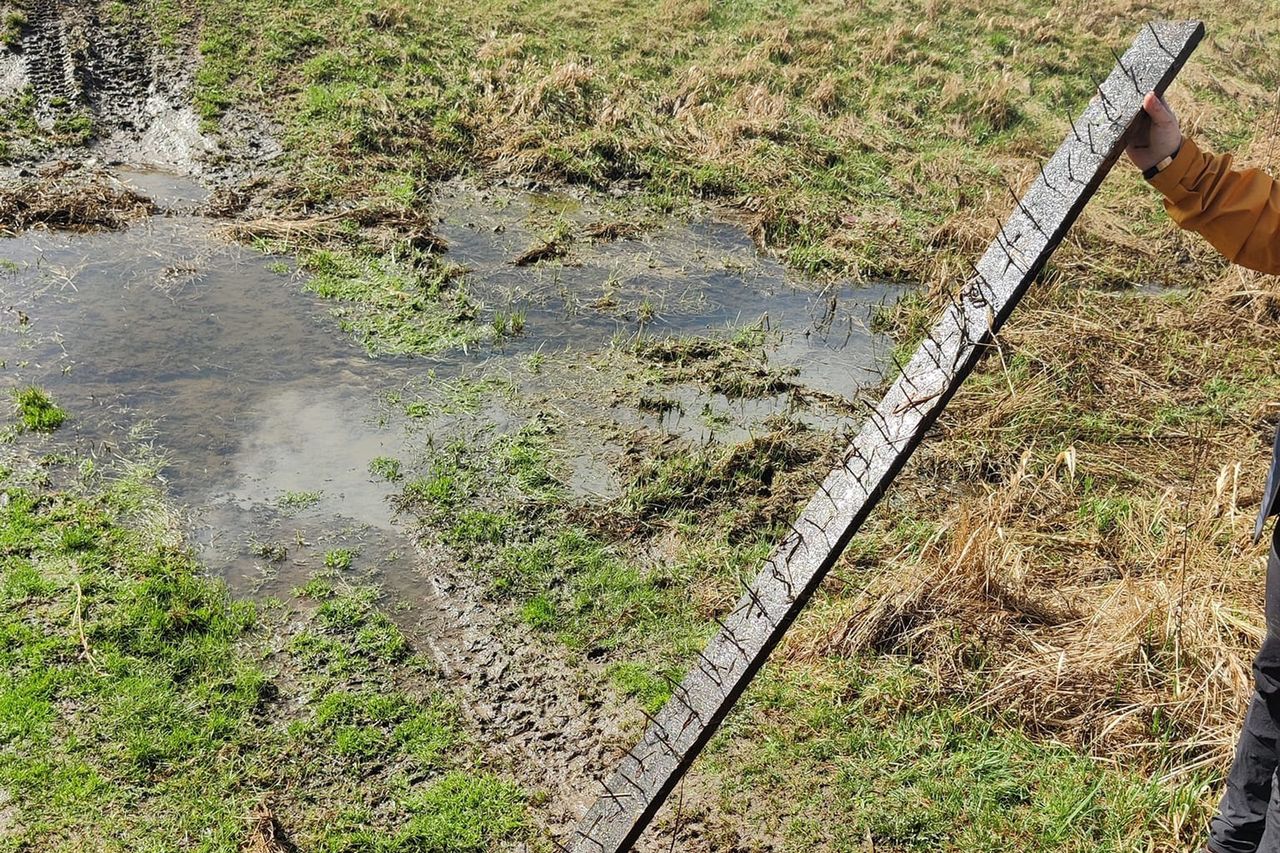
point(1152, 171)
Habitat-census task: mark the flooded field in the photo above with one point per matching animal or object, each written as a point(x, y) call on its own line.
point(268, 417)
point(277, 431)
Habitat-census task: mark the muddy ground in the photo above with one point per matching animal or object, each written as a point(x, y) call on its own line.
point(95, 75)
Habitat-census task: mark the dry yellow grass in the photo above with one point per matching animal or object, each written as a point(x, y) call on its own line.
point(1091, 574)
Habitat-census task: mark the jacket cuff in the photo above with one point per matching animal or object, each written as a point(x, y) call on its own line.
point(1169, 181)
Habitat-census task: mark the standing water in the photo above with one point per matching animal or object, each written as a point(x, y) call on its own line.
point(268, 417)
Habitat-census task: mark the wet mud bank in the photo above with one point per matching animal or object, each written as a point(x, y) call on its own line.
point(97, 77)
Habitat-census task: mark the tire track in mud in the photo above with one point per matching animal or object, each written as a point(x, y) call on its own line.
point(76, 58)
point(116, 75)
point(86, 57)
point(50, 66)
point(544, 715)
point(551, 720)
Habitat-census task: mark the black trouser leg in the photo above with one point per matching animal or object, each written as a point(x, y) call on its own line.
point(1253, 794)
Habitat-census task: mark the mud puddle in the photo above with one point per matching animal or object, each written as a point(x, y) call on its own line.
point(261, 413)
point(654, 282)
point(672, 279)
point(268, 417)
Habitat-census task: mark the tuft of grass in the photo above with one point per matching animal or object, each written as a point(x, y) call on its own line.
point(12, 28)
point(392, 306)
point(37, 411)
point(462, 814)
point(735, 365)
point(507, 324)
point(364, 727)
point(294, 501)
point(386, 468)
point(349, 632)
point(539, 612)
point(339, 559)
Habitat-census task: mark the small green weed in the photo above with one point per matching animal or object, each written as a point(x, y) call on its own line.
point(539, 612)
point(36, 410)
point(339, 559)
point(300, 500)
point(386, 468)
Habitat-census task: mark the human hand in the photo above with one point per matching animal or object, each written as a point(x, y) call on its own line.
point(1155, 135)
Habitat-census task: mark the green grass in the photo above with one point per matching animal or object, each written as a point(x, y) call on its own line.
point(21, 136)
point(733, 365)
point(851, 749)
point(349, 632)
point(37, 411)
point(386, 468)
point(294, 501)
point(394, 305)
point(123, 626)
point(137, 704)
point(863, 139)
point(14, 23)
point(505, 511)
point(339, 559)
point(465, 394)
point(365, 727)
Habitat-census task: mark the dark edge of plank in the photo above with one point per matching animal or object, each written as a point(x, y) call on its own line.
point(647, 774)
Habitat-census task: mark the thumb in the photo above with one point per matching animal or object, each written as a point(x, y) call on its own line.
point(1159, 111)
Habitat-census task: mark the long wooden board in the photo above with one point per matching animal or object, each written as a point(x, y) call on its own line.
point(645, 776)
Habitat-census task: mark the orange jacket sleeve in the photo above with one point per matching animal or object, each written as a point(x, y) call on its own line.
point(1238, 212)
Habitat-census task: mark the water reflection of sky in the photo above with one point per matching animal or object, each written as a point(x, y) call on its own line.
point(253, 392)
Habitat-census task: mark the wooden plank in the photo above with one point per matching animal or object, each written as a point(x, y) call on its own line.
point(645, 776)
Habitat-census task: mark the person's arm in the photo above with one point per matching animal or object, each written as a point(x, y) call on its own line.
point(1238, 212)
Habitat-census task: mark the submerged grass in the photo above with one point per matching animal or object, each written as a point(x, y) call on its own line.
point(381, 266)
point(36, 410)
point(733, 365)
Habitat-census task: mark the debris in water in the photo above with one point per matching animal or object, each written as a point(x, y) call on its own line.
point(543, 252)
point(607, 232)
point(69, 199)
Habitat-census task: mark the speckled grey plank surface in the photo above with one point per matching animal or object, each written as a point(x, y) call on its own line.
point(643, 778)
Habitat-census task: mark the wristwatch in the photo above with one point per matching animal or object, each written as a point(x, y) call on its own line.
point(1152, 171)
